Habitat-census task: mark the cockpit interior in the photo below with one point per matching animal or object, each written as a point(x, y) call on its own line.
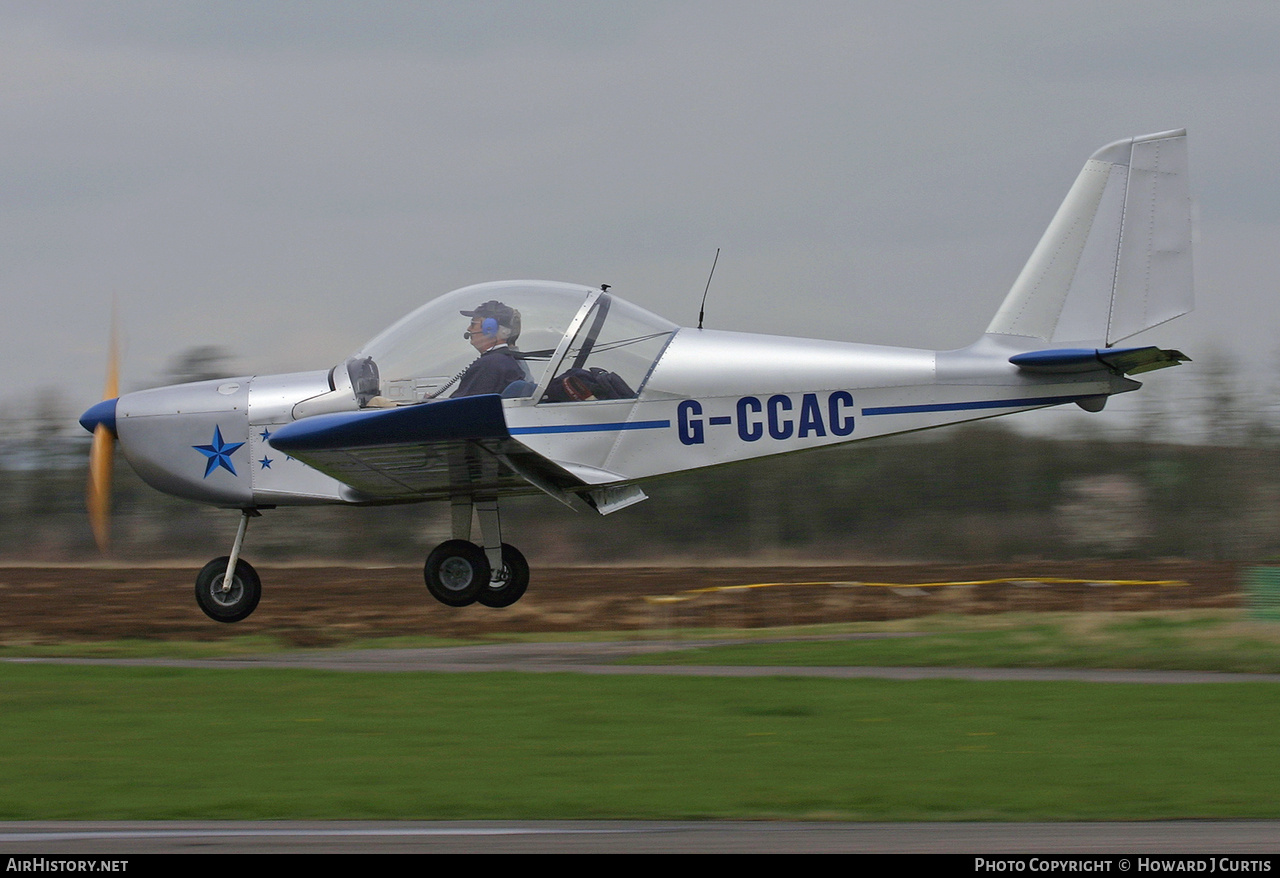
point(573, 344)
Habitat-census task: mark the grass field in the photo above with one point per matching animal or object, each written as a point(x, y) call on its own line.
point(108, 742)
point(79, 742)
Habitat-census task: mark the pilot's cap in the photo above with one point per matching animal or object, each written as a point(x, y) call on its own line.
point(504, 314)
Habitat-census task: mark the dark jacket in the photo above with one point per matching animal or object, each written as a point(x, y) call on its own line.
point(495, 369)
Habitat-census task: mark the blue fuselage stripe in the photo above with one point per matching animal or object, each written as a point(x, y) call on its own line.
point(591, 428)
point(967, 406)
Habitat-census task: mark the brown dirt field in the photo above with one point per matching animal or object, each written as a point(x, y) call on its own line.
point(318, 606)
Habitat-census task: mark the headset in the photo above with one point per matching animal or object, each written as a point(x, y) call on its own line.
point(488, 327)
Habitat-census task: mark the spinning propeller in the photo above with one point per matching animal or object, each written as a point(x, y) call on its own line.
point(102, 451)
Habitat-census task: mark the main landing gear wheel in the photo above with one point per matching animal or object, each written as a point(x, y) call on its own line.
point(456, 572)
point(235, 603)
point(508, 584)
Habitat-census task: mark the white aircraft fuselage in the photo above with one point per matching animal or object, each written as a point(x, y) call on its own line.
point(582, 395)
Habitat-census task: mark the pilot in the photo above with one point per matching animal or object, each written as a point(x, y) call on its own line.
point(493, 332)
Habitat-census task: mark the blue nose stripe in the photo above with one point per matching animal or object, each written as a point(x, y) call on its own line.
point(103, 413)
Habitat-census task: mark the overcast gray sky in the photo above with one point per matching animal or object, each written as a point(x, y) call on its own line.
point(286, 178)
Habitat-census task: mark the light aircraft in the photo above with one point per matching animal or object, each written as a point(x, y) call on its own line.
point(581, 395)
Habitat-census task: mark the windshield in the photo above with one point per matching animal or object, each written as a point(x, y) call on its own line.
point(612, 352)
point(517, 328)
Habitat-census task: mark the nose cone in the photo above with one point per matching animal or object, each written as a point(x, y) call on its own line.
point(103, 413)
point(189, 440)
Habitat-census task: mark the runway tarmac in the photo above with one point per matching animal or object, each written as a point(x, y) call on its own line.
point(598, 658)
point(115, 839)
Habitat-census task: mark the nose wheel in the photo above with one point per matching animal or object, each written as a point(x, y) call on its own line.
point(228, 603)
point(231, 601)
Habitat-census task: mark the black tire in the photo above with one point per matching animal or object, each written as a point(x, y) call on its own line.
point(509, 584)
point(456, 572)
point(233, 605)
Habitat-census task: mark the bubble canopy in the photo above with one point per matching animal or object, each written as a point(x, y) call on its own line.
point(556, 327)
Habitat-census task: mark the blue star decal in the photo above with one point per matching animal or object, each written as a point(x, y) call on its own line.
point(218, 453)
point(267, 461)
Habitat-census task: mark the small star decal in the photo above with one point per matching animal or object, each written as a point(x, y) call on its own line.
point(266, 462)
point(218, 453)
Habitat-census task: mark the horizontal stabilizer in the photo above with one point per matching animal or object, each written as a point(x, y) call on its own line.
point(1124, 361)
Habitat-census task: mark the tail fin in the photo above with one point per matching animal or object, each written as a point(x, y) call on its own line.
point(1116, 259)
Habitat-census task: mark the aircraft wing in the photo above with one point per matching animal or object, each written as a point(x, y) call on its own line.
point(434, 450)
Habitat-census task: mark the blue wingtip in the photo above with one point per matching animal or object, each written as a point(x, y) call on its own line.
point(103, 413)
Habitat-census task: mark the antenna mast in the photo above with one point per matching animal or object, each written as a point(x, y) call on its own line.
point(703, 308)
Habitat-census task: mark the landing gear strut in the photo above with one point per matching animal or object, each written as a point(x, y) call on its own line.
point(228, 589)
point(459, 573)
